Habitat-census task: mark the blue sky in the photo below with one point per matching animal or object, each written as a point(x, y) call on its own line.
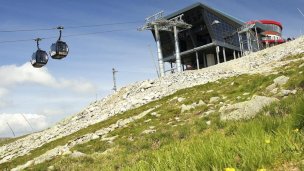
point(64, 87)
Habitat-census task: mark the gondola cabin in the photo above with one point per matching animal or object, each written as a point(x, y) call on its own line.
point(39, 58)
point(59, 50)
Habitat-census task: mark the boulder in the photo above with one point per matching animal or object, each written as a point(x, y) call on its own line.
point(245, 110)
point(281, 80)
point(214, 99)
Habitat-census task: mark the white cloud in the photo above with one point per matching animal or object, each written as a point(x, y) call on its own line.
point(20, 125)
point(12, 75)
point(51, 112)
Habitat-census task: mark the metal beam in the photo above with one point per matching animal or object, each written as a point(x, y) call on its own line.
point(190, 51)
point(224, 54)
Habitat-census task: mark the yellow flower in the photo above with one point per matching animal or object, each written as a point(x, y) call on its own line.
point(267, 141)
point(261, 170)
point(229, 169)
point(296, 130)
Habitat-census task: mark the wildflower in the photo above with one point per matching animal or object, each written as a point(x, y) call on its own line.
point(229, 169)
point(296, 130)
point(261, 170)
point(267, 141)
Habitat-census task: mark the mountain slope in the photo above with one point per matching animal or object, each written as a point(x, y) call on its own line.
point(77, 130)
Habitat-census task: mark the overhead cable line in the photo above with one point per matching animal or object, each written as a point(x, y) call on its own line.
point(71, 35)
point(68, 27)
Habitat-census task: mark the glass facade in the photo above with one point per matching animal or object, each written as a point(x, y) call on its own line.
point(221, 31)
point(273, 27)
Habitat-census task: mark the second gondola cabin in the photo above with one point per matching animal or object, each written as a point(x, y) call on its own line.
point(59, 50)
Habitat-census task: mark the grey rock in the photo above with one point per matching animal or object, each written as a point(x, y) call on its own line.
point(180, 99)
point(77, 154)
point(281, 80)
point(208, 122)
point(245, 110)
point(271, 87)
point(149, 131)
point(214, 99)
point(51, 168)
point(274, 91)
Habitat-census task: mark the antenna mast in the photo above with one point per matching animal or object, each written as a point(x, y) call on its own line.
point(114, 79)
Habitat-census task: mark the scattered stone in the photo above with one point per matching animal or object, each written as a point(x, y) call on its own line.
point(271, 87)
point(281, 80)
point(214, 99)
point(208, 122)
point(245, 110)
point(246, 94)
point(302, 65)
point(94, 137)
point(210, 91)
point(180, 99)
point(209, 112)
point(155, 114)
point(284, 93)
point(51, 168)
point(77, 154)
point(238, 97)
point(293, 91)
point(109, 139)
point(149, 131)
point(185, 108)
point(274, 91)
point(148, 120)
point(131, 138)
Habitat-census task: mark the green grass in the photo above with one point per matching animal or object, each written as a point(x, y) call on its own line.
point(188, 143)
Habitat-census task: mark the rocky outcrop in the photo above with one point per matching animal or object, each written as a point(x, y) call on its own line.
point(141, 93)
point(245, 110)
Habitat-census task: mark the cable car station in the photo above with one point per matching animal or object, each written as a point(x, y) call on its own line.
point(199, 36)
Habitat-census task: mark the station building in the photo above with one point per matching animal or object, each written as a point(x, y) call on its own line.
point(213, 37)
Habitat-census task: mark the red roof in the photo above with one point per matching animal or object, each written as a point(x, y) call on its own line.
point(271, 22)
point(266, 22)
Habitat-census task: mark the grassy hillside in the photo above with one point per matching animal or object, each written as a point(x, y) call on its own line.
point(193, 141)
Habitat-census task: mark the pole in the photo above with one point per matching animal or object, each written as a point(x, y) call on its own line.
point(217, 54)
point(11, 129)
point(224, 54)
point(27, 122)
point(114, 79)
point(197, 60)
point(177, 51)
point(234, 56)
point(159, 53)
